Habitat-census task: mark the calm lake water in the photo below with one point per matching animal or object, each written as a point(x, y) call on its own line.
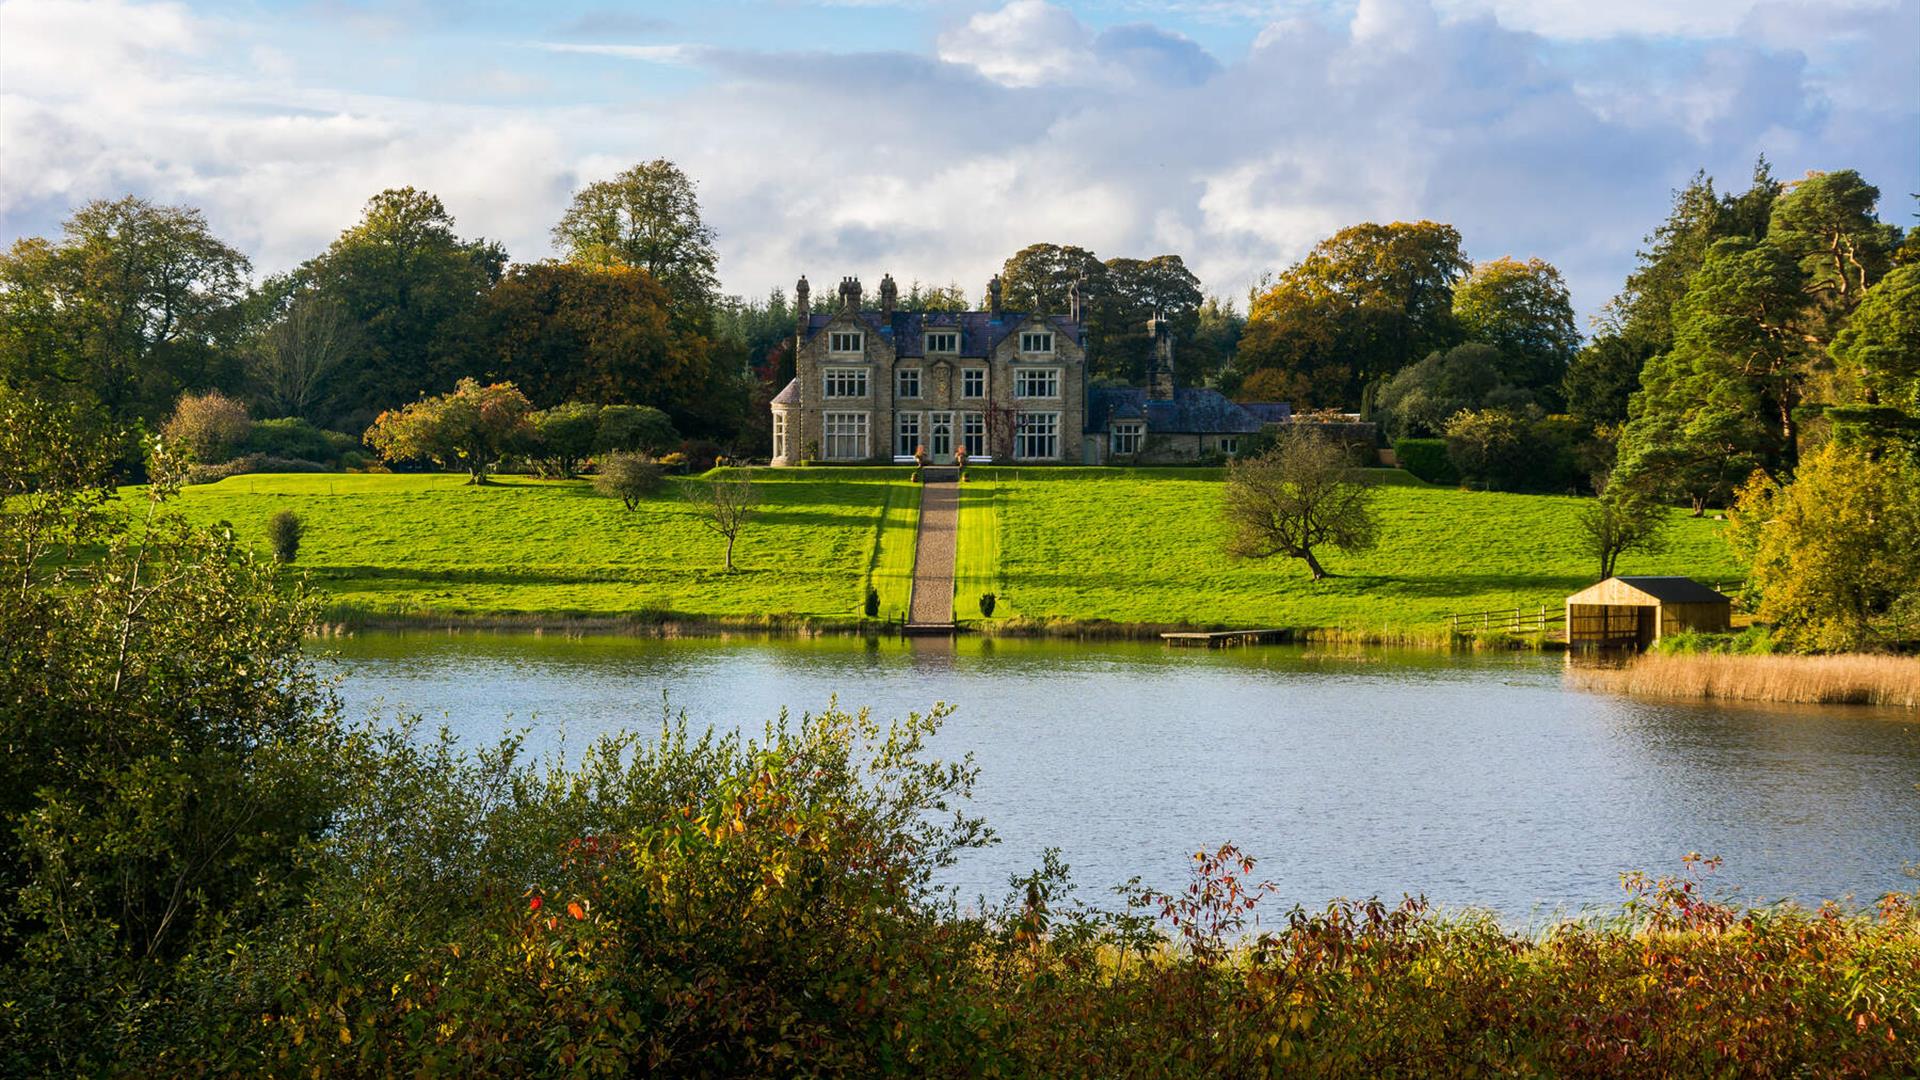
point(1476, 780)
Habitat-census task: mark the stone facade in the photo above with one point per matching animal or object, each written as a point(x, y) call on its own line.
point(874, 384)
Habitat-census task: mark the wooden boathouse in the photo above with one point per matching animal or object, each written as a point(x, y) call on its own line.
point(1635, 612)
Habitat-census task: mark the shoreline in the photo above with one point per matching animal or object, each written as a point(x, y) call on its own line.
point(336, 622)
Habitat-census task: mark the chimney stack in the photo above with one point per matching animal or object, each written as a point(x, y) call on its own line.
point(1160, 367)
point(802, 306)
point(889, 294)
point(850, 294)
point(1073, 301)
point(993, 296)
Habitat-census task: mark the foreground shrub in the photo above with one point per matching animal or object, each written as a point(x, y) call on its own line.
point(211, 427)
point(627, 477)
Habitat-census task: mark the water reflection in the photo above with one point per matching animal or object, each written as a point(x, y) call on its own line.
point(1478, 779)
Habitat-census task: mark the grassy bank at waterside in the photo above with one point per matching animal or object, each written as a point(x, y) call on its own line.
point(1822, 680)
point(1082, 552)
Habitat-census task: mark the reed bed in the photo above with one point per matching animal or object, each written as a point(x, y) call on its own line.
point(1853, 679)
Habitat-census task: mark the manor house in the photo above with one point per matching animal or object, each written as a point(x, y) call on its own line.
point(872, 385)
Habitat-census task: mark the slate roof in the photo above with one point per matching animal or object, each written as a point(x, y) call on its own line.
point(1675, 590)
point(1191, 412)
point(790, 395)
point(1269, 412)
point(979, 330)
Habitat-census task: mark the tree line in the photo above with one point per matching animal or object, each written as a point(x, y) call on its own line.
point(135, 304)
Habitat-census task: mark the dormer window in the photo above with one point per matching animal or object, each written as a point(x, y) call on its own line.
point(943, 341)
point(842, 341)
point(1036, 341)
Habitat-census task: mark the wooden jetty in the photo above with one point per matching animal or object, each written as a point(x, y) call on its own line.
point(1226, 639)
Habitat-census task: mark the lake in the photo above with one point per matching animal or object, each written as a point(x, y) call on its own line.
point(1476, 779)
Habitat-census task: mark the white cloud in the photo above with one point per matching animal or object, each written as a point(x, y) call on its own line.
point(1022, 125)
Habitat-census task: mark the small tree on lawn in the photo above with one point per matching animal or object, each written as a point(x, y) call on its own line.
point(1301, 495)
point(725, 504)
point(1621, 520)
point(627, 477)
point(470, 429)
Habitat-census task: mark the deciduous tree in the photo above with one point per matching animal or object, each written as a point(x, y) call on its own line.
point(1835, 554)
point(725, 504)
point(1302, 495)
point(135, 303)
point(1523, 310)
point(470, 429)
point(648, 216)
point(411, 288)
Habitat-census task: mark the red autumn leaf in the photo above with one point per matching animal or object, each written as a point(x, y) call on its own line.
point(574, 909)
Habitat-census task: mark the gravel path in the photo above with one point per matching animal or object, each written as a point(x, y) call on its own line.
point(933, 553)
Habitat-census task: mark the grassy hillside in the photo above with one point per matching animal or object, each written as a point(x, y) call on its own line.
point(414, 543)
point(1145, 546)
point(1127, 546)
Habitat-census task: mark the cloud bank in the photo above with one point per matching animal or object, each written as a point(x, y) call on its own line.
point(1536, 129)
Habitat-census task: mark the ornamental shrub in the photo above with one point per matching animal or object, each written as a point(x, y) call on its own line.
point(211, 427)
point(873, 602)
point(988, 601)
point(292, 437)
point(627, 477)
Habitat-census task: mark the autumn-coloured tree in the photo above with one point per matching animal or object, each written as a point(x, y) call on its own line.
point(210, 426)
point(578, 332)
point(1371, 298)
point(470, 429)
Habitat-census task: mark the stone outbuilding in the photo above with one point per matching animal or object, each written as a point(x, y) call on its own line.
point(1165, 424)
point(1638, 611)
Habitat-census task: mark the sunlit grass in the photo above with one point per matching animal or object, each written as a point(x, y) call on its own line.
point(1146, 546)
point(415, 543)
point(977, 566)
point(893, 549)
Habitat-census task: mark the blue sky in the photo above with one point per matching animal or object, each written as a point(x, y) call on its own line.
point(931, 139)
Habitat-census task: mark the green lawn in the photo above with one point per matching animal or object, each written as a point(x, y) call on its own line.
point(893, 549)
point(1127, 546)
point(976, 567)
point(409, 543)
point(1144, 546)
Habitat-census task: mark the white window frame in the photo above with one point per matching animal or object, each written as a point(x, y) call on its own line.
point(941, 341)
point(843, 436)
point(1036, 436)
point(779, 435)
point(904, 440)
point(973, 433)
point(845, 378)
point(1023, 379)
point(1230, 445)
point(1036, 341)
point(1127, 436)
point(845, 342)
point(969, 376)
point(900, 379)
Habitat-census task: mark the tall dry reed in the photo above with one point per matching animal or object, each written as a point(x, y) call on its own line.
point(1854, 679)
